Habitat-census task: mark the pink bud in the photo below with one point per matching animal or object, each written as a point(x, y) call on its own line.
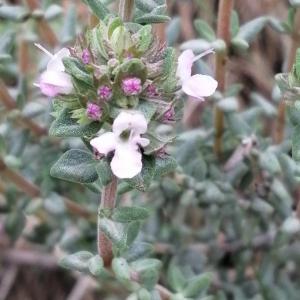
point(169, 115)
point(93, 111)
point(131, 86)
point(152, 90)
point(86, 56)
point(104, 92)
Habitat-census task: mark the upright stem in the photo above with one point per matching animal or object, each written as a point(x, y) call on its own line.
point(295, 42)
point(223, 32)
point(108, 197)
point(126, 9)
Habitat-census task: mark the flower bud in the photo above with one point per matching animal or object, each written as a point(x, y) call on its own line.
point(104, 92)
point(93, 111)
point(152, 90)
point(112, 63)
point(131, 86)
point(169, 115)
point(86, 56)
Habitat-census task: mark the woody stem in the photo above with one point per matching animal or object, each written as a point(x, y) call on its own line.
point(223, 32)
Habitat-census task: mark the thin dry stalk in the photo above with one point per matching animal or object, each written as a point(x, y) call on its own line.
point(223, 32)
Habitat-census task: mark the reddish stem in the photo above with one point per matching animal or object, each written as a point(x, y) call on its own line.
point(223, 32)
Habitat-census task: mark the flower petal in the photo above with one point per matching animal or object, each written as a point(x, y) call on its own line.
point(200, 86)
point(58, 80)
point(55, 63)
point(104, 143)
point(133, 120)
point(185, 63)
point(127, 161)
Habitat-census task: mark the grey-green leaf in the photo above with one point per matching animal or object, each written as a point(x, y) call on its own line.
point(127, 214)
point(75, 166)
point(98, 8)
point(197, 285)
point(77, 261)
point(65, 126)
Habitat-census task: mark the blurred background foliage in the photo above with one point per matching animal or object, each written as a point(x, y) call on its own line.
point(236, 217)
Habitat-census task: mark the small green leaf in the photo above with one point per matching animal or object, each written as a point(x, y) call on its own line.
point(144, 38)
point(234, 23)
point(14, 13)
point(228, 105)
point(296, 143)
point(197, 285)
point(138, 250)
point(121, 269)
point(78, 261)
point(176, 279)
point(98, 8)
point(115, 232)
point(132, 232)
point(249, 30)
point(269, 162)
point(104, 171)
point(268, 108)
point(164, 165)
point(297, 64)
point(76, 68)
point(95, 265)
point(127, 214)
point(75, 166)
point(204, 30)
point(147, 108)
point(148, 271)
point(169, 70)
point(66, 126)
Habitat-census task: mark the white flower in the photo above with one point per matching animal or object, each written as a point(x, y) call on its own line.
point(125, 140)
point(54, 80)
point(197, 86)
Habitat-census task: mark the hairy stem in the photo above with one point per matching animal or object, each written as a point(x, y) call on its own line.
point(223, 32)
point(108, 198)
point(126, 9)
point(295, 42)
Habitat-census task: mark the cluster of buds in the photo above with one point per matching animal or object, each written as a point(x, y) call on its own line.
point(124, 78)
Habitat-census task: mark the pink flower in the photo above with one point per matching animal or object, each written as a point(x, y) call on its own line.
point(131, 86)
point(197, 86)
point(54, 80)
point(93, 111)
point(86, 56)
point(125, 140)
point(104, 92)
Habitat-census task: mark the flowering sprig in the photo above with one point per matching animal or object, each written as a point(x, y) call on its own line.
point(123, 87)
